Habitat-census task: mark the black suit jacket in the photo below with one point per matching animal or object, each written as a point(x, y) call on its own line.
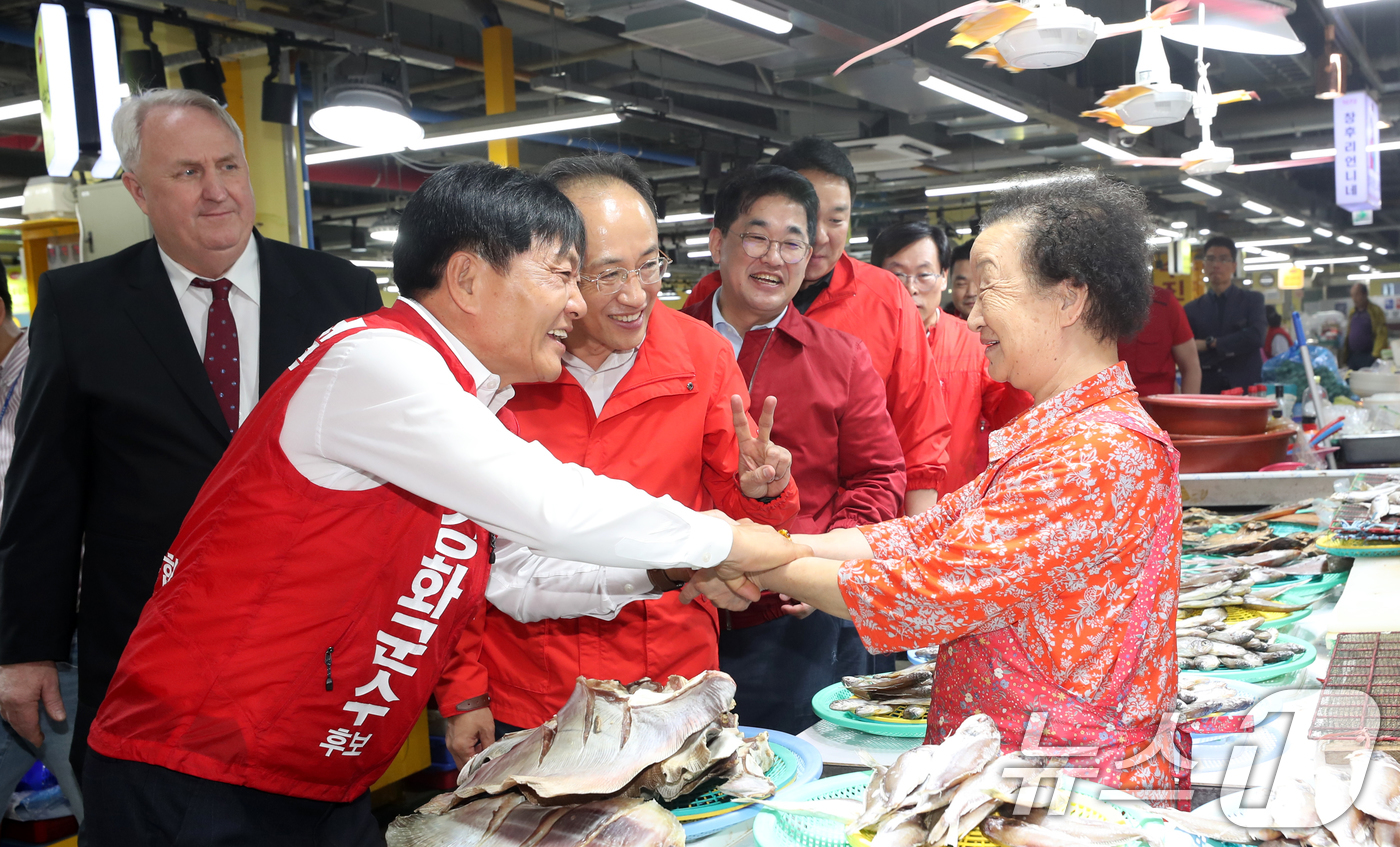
point(1236, 321)
point(117, 432)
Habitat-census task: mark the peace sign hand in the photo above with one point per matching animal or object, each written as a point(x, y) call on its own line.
point(763, 465)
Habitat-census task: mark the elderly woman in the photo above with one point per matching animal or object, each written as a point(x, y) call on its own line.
point(1050, 581)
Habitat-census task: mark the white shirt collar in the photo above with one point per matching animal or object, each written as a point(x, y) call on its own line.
point(246, 273)
point(488, 385)
point(732, 334)
point(615, 360)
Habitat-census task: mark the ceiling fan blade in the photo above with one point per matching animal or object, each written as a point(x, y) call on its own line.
point(1003, 16)
point(975, 6)
point(1123, 94)
point(1239, 95)
point(1280, 165)
point(992, 56)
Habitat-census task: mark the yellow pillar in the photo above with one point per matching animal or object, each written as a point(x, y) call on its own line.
point(262, 143)
point(498, 55)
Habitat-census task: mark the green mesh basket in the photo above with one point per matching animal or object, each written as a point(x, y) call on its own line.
point(773, 828)
point(895, 725)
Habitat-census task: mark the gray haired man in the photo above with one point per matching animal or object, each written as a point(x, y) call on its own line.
point(142, 364)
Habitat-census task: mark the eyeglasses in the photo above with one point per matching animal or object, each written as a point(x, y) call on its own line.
point(1218, 260)
point(611, 281)
point(757, 246)
point(922, 283)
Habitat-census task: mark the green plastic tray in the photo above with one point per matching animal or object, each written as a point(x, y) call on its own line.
point(896, 728)
point(1262, 675)
point(785, 767)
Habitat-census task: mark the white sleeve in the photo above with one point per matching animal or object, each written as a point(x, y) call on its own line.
point(532, 588)
point(383, 405)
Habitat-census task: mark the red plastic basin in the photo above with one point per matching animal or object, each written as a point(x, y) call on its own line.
point(1209, 414)
point(1232, 453)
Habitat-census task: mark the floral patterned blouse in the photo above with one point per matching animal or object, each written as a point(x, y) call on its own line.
point(1053, 549)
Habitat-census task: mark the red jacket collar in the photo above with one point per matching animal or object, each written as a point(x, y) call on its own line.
point(793, 324)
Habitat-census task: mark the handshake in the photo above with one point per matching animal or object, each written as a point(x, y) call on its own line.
point(735, 582)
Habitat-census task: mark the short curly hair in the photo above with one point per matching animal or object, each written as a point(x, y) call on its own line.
point(1083, 226)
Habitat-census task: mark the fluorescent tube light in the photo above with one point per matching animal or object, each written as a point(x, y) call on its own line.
point(1332, 4)
point(860, 239)
point(1158, 240)
point(11, 221)
point(534, 127)
point(747, 14)
point(1106, 149)
point(1294, 221)
point(1364, 246)
point(697, 239)
point(947, 89)
point(1203, 231)
point(1166, 233)
point(1203, 187)
point(1346, 240)
point(371, 263)
point(698, 254)
point(1178, 224)
point(978, 188)
point(1274, 242)
point(21, 110)
point(1276, 266)
point(1322, 152)
point(686, 217)
point(1325, 233)
point(963, 230)
point(1382, 251)
point(1389, 275)
point(12, 202)
point(1331, 260)
point(1257, 207)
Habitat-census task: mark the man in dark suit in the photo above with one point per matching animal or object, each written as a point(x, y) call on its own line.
point(134, 389)
point(1228, 323)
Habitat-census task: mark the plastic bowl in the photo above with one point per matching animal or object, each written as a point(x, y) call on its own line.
point(1208, 414)
point(1367, 383)
point(1232, 453)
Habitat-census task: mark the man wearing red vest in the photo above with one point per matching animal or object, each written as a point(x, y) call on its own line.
point(869, 303)
point(317, 586)
point(645, 397)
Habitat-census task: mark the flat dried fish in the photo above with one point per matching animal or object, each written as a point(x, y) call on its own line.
point(1379, 777)
point(1241, 541)
point(600, 740)
point(900, 683)
point(509, 821)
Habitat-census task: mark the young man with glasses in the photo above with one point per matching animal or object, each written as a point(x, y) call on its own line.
point(977, 404)
point(1228, 323)
point(647, 396)
point(831, 414)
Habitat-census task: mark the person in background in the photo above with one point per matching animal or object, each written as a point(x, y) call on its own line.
point(17, 754)
point(961, 284)
point(1277, 341)
point(1163, 347)
point(645, 397)
point(1228, 323)
point(914, 253)
point(832, 416)
point(852, 296)
point(1367, 336)
point(142, 366)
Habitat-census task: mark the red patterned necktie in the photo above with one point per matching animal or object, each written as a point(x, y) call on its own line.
point(221, 350)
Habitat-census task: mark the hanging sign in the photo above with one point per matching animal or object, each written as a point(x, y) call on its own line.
point(1356, 130)
point(1291, 279)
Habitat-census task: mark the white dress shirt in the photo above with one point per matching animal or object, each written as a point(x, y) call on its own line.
point(732, 335)
point(382, 407)
point(243, 300)
point(600, 383)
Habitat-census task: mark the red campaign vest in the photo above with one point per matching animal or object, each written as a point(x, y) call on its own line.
point(992, 674)
point(295, 632)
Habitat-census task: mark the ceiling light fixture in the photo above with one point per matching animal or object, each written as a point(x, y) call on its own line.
point(1178, 224)
point(12, 202)
point(1275, 266)
point(1291, 221)
point(1324, 152)
point(1363, 245)
point(1331, 260)
point(957, 92)
point(366, 116)
point(1245, 26)
point(698, 254)
point(1257, 207)
point(1332, 4)
point(1274, 242)
point(1330, 72)
point(697, 239)
point(748, 15)
point(1203, 187)
point(1166, 233)
point(21, 110)
point(1346, 240)
point(1325, 233)
point(1382, 251)
point(497, 127)
point(957, 190)
point(371, 263)
point(687, 217)
point(963, 230)
point(859, 239)
point(1386, 275)
point(1106, 149)
point(1158, 240)
point(1203, 231)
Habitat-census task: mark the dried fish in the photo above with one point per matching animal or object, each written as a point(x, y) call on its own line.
point(894, 684)
point(971, 803)
point(1248, 660)
point(1350, 827)
point(1254, 602)
point(507, 820)
point(1214, 705)
point(1190, 647)
point(1018, 833)
point(1379, 777)
point(1093, 831)
point(1204, 592)
point(1233, 635)
point(1269, 558)
point(1209, 616)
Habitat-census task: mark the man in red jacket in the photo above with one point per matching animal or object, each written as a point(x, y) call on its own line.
point(977, 404)
point(845, 455)
point(849, 295)
point(645, 397)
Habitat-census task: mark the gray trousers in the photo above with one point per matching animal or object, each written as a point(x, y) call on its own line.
point(17, 756)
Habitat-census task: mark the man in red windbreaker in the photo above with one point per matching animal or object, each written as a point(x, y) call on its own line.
point(846, 294)
point(316, 588)
point(645, 397)
point(845, 456)
point(977, 404)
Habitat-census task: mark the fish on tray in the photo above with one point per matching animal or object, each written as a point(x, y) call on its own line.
point(913, 681)
point(509, 820)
